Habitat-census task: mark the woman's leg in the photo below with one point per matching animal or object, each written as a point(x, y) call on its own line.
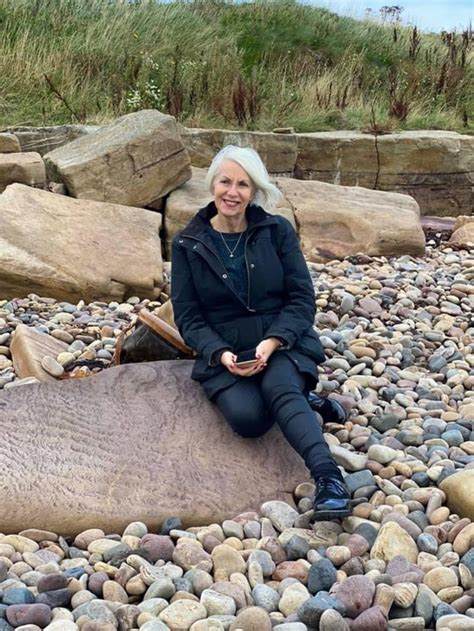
point(243, 408)
point(283, 390)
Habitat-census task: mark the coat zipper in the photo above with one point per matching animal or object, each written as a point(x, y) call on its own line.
point(248, 273)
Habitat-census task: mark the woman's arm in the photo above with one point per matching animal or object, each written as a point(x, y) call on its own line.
point(299, 310)
point(192, 325)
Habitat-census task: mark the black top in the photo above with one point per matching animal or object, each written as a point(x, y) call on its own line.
point(235, 264)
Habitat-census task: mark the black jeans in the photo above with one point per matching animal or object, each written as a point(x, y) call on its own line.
point(278, 394)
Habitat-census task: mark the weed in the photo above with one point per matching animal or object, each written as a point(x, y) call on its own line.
point(234, 64)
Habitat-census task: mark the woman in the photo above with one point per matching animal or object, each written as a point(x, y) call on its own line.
point(240, 282)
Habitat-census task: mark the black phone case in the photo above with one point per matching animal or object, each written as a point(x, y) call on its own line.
point(246, 356)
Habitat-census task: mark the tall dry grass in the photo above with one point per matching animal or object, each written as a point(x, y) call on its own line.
point(216, 63)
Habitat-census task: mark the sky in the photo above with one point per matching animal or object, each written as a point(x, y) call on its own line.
point(427, 15)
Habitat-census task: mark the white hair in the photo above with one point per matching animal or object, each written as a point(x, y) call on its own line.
point(267, 194)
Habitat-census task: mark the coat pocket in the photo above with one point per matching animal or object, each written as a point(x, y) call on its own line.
point(309, 345)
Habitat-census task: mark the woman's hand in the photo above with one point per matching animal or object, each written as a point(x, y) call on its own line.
point(228, 360)
point(263, 353)
point(266, 348)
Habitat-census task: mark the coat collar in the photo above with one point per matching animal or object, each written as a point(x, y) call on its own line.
point(199, 224)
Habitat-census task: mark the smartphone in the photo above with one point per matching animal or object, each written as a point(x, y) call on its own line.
point(246, 358)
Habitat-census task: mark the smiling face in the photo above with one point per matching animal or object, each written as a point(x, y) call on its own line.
point(233, 190)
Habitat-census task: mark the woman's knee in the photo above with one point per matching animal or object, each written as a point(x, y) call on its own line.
point(249, 424)
point(244, 409)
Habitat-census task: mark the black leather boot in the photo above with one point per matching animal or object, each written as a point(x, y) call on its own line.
point(330, 409)
point(331, 499)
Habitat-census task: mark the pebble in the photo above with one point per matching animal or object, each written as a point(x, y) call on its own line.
point(355, 593)
point(440, 578)
point(252, 619)
point(266, 597)
point(391, 541)
point(311, 610)
point(321, 576)
point(183, 613)
point(51, 366)
point(37, 614)
point(294, 596)
point(280, 514)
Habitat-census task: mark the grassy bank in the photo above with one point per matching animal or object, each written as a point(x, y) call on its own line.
point(213, 63)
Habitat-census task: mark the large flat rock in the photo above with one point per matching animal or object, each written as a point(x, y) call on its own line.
point(133, 161)
point(336, 221)
point(136, 442)
point(72, 249)
point(435, 167)
point(278, 151)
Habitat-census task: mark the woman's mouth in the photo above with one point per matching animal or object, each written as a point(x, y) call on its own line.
point(231, 203)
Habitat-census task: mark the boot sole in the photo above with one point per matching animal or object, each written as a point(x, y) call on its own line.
point(328, 515)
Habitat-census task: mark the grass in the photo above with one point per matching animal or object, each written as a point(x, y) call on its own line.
point(213, 63)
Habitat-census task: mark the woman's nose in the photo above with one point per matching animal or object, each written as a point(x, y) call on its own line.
point(233, 190)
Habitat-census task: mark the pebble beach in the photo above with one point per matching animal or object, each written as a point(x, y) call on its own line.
point(399, 340)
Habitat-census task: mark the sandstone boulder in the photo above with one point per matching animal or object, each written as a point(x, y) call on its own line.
point(25, 168)
point(461, 221)
point(28, 347)
point(345, 157)
point(459, 492)
point(134, 443)
point(435, 167)
point(139, 158)
point(71, 249)
point(278, 151)
point(184, 202)
point(9, 143)
point(337, 221)
point(463, 232)
point(45, 139)
point(463, 237)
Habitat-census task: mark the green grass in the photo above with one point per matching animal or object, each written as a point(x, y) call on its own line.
point(214, 63)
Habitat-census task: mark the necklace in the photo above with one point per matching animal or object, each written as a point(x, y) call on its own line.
point(231, 252)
